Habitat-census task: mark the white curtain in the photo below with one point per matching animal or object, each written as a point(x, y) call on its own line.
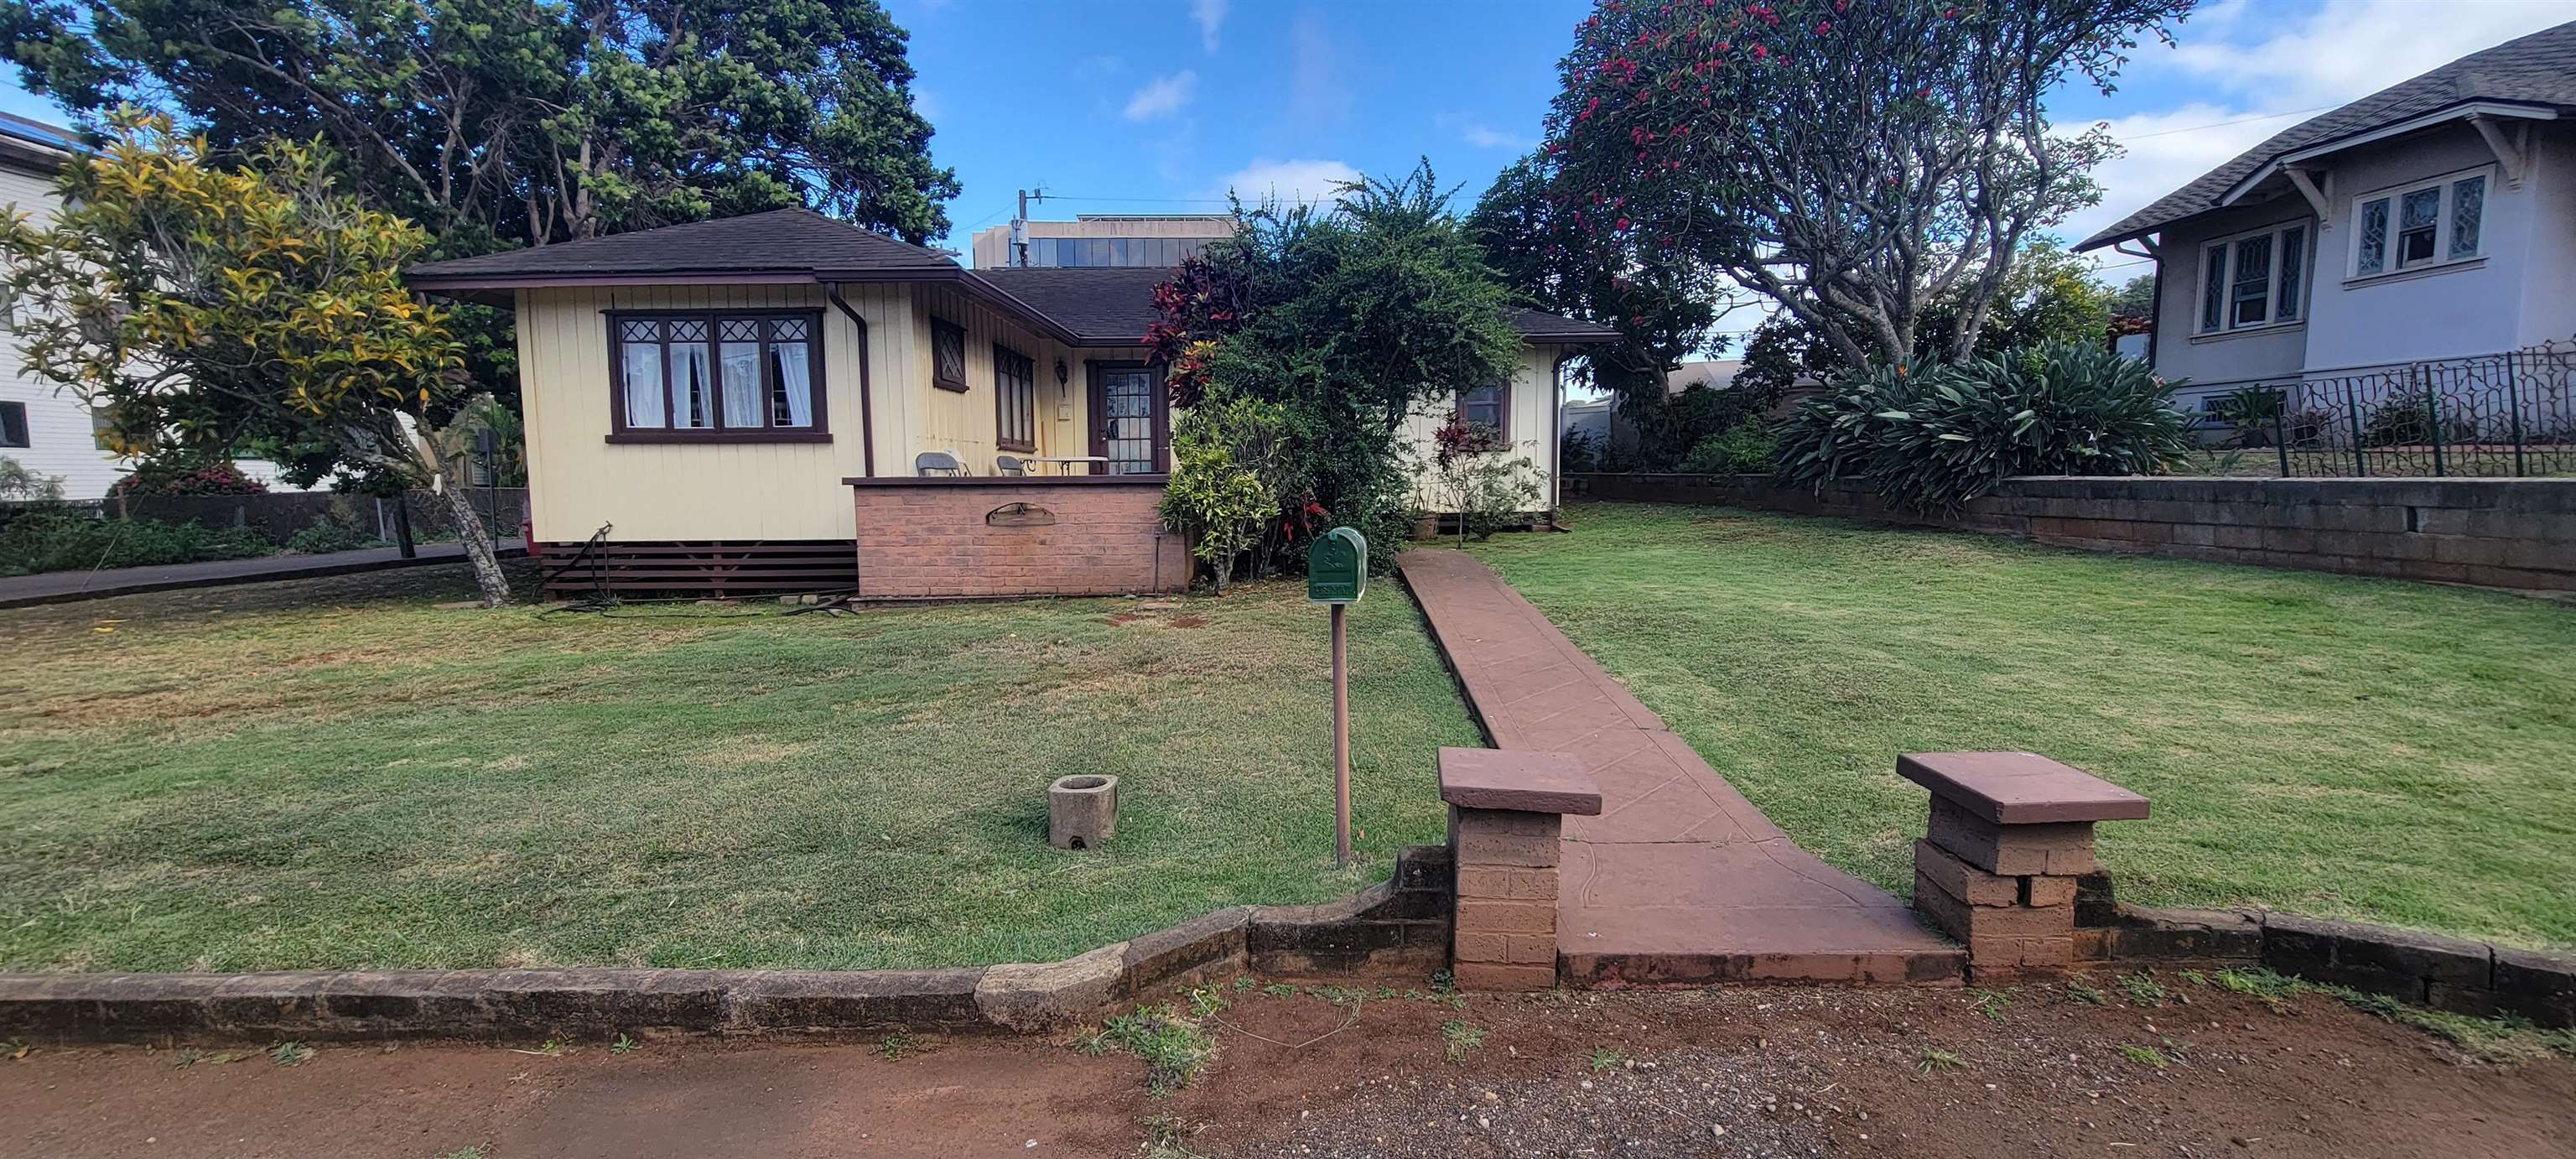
point(795, 380)
point(644, 385)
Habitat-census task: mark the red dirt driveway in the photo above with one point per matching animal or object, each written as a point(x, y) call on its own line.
point(1751, 1071)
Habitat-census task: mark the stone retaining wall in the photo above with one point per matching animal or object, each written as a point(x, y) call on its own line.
point(1397, 927)
point(2507, 533)
point(2453, 974)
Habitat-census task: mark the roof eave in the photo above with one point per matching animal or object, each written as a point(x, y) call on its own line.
point(2527, 110)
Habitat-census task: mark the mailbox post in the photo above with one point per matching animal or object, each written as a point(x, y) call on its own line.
point(1337, 575)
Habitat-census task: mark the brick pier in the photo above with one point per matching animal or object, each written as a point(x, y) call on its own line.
point(2009, 835)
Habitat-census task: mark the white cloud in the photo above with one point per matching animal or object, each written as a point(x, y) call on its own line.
point(2342, 51)
point(1488, 137)
point(1163, 96)
point(2166, 151)
point(1209, 15)
point(1302, 180)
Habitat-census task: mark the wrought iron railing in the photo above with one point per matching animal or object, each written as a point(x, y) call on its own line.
point(2506, 414)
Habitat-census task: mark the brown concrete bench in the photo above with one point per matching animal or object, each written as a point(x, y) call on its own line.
point(1506, 816)
point(2009, 834)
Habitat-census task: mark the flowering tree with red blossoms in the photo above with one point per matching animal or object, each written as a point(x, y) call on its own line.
point(1853, 160)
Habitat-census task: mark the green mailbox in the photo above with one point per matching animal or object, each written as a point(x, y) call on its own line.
point(1337, 567)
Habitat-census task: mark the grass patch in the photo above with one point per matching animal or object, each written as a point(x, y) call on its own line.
point(1458, 1039)
point(2346, 747)
point(2508, 1038)
point(1174, 1049)
point(334, 775)
point(1607, 1059)
point(2147, 1056)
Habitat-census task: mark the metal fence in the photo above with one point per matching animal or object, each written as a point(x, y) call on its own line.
point(2508, 414)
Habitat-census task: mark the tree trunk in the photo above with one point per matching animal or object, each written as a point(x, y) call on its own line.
point(478, 548)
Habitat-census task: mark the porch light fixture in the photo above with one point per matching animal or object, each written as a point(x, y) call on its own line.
point(1063, 373)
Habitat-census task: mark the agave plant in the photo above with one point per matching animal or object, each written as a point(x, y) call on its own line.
point(1933, 437)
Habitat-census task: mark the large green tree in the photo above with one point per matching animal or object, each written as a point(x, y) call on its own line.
point(189, 304)
point(1854, 162)
point(2048, 296)
point(1336, 325)
point(497, 124)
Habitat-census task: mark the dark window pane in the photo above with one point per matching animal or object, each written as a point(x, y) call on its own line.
point(2374, 237)
point(2213, 285)
point(13, 425)
point(2294, 252)
point(2468, 209)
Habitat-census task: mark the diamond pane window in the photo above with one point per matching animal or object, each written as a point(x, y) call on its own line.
point(714, 374)
point(2374, 238)
point(2294, 252)
point(2250, 294)
point(2468, 208)
point(2213, 285)
point(2419, 219)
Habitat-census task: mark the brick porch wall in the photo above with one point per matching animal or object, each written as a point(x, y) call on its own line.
point(940, 538)
point(2506, 533)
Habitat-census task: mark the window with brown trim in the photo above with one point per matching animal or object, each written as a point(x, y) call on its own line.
point(717, 375)
point(1015, 400)
point(1488, 406)
point(947, 356)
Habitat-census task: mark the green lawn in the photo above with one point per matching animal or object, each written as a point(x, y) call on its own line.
point(2341, 747)
point(227, 781)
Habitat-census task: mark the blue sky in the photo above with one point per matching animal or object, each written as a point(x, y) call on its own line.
point(1146, 106)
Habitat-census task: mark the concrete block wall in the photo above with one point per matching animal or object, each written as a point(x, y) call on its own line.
point(2506, 533)
point(944, 538)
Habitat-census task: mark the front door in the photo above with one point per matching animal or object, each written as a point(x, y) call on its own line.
point(1128, 424)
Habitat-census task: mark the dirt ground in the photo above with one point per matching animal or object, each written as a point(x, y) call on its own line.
point(1740, 1072)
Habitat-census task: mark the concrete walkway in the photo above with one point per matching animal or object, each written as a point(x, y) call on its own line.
point(57, 587)
point(1680, 880)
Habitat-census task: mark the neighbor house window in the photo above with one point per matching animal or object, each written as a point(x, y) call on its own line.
point(2254, 279)
point(717, 374)
point(1015, 400)
point(2431, 224)
point(13, 424)
point(1488, 406)
point(947, 356)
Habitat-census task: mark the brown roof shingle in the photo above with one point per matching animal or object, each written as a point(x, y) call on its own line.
point(2537, 70)
point(780, 240)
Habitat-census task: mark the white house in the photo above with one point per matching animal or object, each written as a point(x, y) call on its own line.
point(46, 430)
point(2433, 222)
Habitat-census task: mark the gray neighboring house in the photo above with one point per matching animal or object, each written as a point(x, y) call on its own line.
point(2430, 222)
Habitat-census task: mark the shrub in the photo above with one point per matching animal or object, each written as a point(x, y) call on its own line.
point(65, 539)
point(187, 477)
point(1931, 437)
point(329, 536)
point(1471, 477)
point(1579, 451)
point(1667, 434)
point(2405, 419)
point(1744, 448)
point(1217, 504)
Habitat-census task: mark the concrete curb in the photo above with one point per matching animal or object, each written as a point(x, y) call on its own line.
point(1399, 926)
point(2452, 974)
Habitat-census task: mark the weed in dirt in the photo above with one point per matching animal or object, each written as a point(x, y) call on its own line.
point(1607, 1059)
point(1339, 995)
point(290, 1054)
point(2144, 1055)
point(2086, 995)
point(1458, 1038)
point(193, 1057)
point(2502, 1039)
point(894, 1046)
point(1936, 1059)
point(1279, 990)
point(1205, 1001)
point(1991, 1003)
point(1174, 1049)
point(1444, 984)
point(1167, 1137)
point(465, 1153)
point(624, 1045)
point(1243, 983)
point(2144, 990)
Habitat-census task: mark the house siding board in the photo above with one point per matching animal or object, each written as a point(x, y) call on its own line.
point(2181, 351)
point(2549, 249)
point(2444, 313)
point(685, 491)
point(60, 439)
point(1533, 426)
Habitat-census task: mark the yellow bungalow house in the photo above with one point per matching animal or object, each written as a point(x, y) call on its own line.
point(784, 402)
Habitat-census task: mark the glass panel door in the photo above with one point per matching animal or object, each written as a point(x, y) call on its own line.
point(1126, 401)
